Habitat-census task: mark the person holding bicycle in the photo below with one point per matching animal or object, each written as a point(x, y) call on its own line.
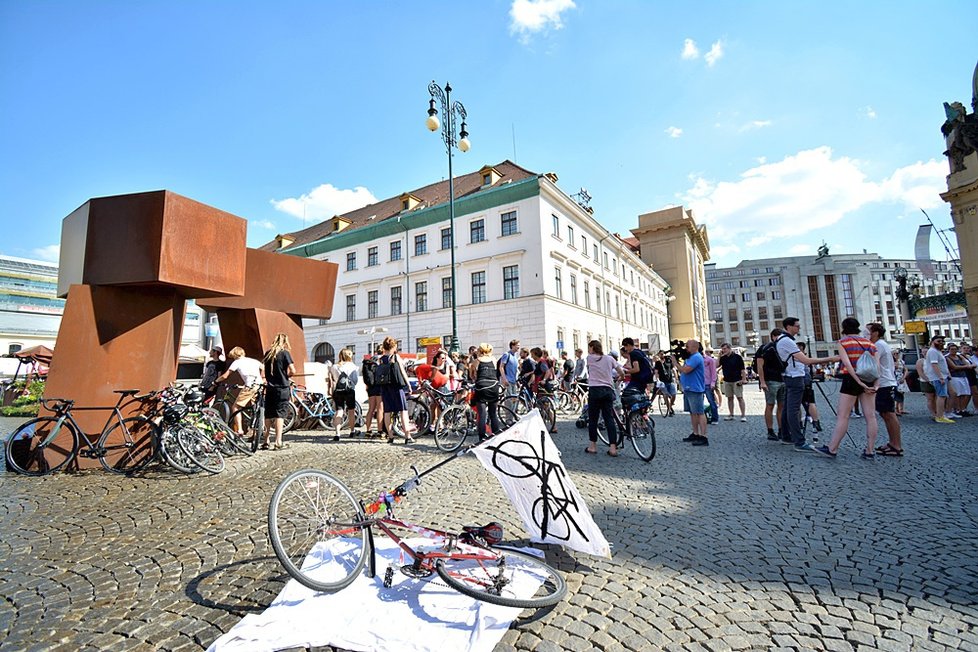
point(486, 395)
point(251, 372)
point(602, 370)
point(279, 368)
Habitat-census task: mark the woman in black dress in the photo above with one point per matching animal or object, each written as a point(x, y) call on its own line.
point(279, 368)
point(392, 393)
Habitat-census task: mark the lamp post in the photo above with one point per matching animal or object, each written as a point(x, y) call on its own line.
point(460, 140)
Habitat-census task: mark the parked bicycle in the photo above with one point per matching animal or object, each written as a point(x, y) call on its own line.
point(252, 418)
point(460, 421)
point(634, 424)
point(323, 536)
point(48, 444)
point(525, 400)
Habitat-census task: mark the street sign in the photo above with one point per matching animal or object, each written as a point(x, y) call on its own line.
point(430, 341)
point(560, 345)
point(915, 327)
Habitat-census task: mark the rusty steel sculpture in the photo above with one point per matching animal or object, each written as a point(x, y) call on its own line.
point(128, 265)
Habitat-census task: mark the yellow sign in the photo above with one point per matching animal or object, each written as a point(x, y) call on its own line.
point(430, 341)
point(915, 327)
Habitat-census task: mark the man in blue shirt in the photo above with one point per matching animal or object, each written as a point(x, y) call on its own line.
point(509, 364)
point(693, 379)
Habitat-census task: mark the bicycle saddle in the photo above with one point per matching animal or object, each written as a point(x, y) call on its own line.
point(490, 534)
point(126, 392)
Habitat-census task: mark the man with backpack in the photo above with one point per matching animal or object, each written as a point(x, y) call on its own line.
point(509, 365)
point(768, 369)
point(792, 363)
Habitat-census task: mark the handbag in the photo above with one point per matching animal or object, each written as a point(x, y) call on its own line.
point(867, 369)
point(399, 377)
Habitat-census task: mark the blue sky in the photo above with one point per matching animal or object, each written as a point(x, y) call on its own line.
point(781, 124)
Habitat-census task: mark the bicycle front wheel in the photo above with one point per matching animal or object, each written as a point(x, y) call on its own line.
point(548, 410)
point(291, 419)
point(315, 525)
point(453, 427)
point(214, 427)
point(172, 453)
point(642, 435)
point(508, 580)
point(130, 445)
point(507, 418)
point(40, 446)
point(200, 449)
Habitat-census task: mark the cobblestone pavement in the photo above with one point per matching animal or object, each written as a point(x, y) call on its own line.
point(745, 544)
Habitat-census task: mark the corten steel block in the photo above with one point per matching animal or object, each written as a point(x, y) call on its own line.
point(288, 284)
point(253, 329)
point(164, 239)
point(114, 338)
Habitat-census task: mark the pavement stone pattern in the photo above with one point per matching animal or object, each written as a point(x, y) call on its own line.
point(741, 545)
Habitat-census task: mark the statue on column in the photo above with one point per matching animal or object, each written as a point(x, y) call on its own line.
point(960, 129)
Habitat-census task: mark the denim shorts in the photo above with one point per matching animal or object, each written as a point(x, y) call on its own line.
point(693, 402)
point(669, 389)
point(940, 388)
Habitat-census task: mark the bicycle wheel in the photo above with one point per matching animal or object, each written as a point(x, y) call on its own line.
point(506, 416)
point(518, 404)
point(172, 453)
point(32, 450)
point(506, 580)
point(642, 429)
point(214, 426)
point(314, 523)
point(453, 427)
point(419, 415)
point(291, 419)
point(603, 431)
point(663, 408)
point(548, 410)
point(202, 451)
point(128, 446)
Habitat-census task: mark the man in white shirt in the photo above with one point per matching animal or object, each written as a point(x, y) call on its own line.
point(938, 374)
point(794, 362)
point(886, 394)
point(251, 372)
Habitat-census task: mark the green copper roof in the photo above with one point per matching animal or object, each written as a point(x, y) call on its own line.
point(476, 203)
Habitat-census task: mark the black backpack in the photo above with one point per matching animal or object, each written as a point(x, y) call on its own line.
point(384, 373)
point(342, 383)
point(368, 370)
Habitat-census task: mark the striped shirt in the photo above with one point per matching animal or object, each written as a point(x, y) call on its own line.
point(855, 346)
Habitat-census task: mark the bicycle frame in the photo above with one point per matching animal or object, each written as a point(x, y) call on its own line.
point(63, 413)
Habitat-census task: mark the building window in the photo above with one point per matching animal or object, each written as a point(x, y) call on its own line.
point(778, 313)
point(745, 297)
point(351, 261)
point(372, 304)
point(421, 296)
point(478, 287)
point(732, 298)
point(716, 299)
point(607, 302)
point(760, 296)
point(558, 284)
point(421, 244)
point(570, 235)
point(446, 239)
point(556, 221)
point(511, 282)
point(351, 307)
point(507, 223)
point(605, 259)
point(371, 256)
point(14, 348)
point(617, 307)
point(396, 300)
point(587, 295)
point(560, 341)
point(596, 253)
point(396, 250)
point(584, 245)
point(446, 292)
point(774, 281)
point(477, 231)
point(573, 289)
point(597, 298)
point(776, 295)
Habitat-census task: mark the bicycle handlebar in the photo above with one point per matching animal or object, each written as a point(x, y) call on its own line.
point(59, 403)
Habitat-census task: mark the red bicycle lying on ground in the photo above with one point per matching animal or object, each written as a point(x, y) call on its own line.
point(323, 536)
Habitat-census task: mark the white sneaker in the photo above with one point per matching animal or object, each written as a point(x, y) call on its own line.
point(744, 419)
point(951, 415)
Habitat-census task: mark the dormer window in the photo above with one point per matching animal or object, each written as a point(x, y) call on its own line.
point(409, 201)
point(490, 176)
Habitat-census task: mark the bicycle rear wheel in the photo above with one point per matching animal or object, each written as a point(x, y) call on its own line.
point(200, 449)
point(506, 416)
point(453, 427)
point(518, 404)
point(642, 429)
point(172, 453)
point(548, 410)
point(130, 445)
point(291, 419)
point(314, 525)
point(31, 450)
point(212, 425)
point(507, 581)
point(663, 408)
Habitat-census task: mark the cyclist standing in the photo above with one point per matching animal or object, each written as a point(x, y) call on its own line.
point(602, 370)
point(250, 371)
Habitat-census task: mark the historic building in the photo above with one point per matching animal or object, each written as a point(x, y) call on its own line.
point(531, 263)
point(750, 299)
point(30, 310)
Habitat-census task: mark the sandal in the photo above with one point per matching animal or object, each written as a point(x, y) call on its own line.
point(889, 451)
point(590, 452)
point(263, 447)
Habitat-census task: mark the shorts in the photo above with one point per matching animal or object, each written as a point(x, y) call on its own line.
point(277, 402)
point(886, 400)
point(960, 386)
point(926, 387)
point(693, 402)
point(731, 390)
point(345, 400)
point(940, 388)
point(669, 389)
point(851, 386)
point(898, 396)
point(245, 395)
point(774, 393)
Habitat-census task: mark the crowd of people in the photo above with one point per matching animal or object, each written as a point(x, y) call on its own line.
point(782, 366)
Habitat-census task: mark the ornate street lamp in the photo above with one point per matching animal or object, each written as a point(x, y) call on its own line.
point(903, 300)
point(451, 113)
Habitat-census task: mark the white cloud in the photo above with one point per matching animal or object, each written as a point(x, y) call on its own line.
point(809, 190)
point(761, 159)
point(755, 124)
point(50, 253)
point(528, 17)
point(800, 249)
point(715, 54)
point(265, 224)
point(690, 51)
point(870, 112)
point(674, 132)
point(324, 201)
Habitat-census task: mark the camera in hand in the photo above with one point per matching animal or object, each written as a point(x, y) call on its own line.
point(679, 349)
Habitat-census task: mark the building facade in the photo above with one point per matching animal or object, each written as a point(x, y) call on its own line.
point(750, 299)
point(30, 310)
point(530, 264)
